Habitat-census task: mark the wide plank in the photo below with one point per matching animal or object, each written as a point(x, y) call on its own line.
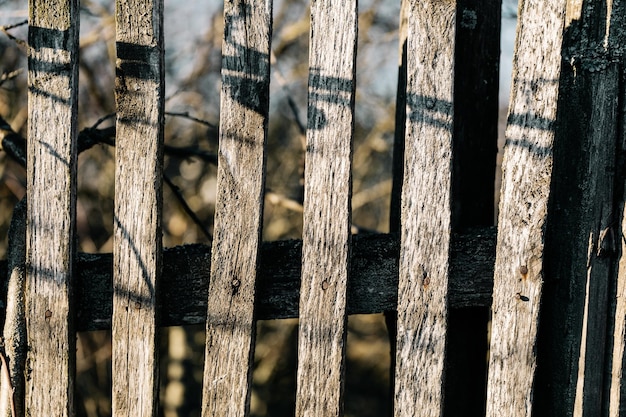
point(327, 209)
point(239, 209)
point(579, 361)
point(425, 210)
point(51, 194)
point(139, 94)
point(527, 172)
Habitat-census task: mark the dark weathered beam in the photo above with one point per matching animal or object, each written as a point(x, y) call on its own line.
point(372, 287)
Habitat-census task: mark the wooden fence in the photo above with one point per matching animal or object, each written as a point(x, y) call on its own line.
point(554, 276)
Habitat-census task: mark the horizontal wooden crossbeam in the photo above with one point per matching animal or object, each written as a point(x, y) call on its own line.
point(372, 287)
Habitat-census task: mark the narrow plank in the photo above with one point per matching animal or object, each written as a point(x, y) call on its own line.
point(327, 211)
point(138, 198)
point(527, 172)
point(51, 194)
point(476, 62)
point(425, 211)
point(239, 209)
point(617, 367)
point(391, 316)
point(598, 199)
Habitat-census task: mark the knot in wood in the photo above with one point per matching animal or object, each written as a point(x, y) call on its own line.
point(469, 18)
point(523, 270)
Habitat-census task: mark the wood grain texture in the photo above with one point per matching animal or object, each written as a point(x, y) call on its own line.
point(616, 368)
point(617, 365)
point(425, 211)
point(476, 65)
point(577, 370)
point(599, 242)
point(372, 283)
point(327, 210)
point(51, 193)
point(138, 184)
point(527, 170)
point(239, 208)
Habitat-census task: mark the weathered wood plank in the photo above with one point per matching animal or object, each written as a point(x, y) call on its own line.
point(372, 286)
point(598, 201)
point(397, 169)
point(139, 94)
point(426, 210)
point(617, 366)
point(579, 362)
point(476, 79)
point(51, 193)
point(527, 170)
point(327, 209)
point(239, 210)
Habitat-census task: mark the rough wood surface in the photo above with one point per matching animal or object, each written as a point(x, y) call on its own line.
point(138, 183)
point(372, 285)
point(616, 368)
point(51, 184)
point(579, 362)
point(617, 365)
point(239, 209)
point(527, 170)
point(476, 105)
point(327, 210)
point(425, 212)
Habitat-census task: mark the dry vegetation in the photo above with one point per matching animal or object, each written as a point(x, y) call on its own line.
point(193, 76)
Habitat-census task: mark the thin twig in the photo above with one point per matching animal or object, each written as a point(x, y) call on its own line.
point(12, 143)
point(282, 83)
point(283, 201)
point(14, 25)
point(10, 75)
point(15, 146)
point(102, 119)
point(186, 207)
point(187, 116)
point(5, 30)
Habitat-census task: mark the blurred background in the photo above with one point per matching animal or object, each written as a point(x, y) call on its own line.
point(193, 33)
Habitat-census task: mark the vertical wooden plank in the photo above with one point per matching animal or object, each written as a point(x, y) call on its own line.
point(425, 211)
point(327, 210)
point(138, 184)
point(581, 334)
point(391, 317)
point(476, 104)
point(617, 366)
point(527, 171)
point(238, 215)
point(51, 185)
